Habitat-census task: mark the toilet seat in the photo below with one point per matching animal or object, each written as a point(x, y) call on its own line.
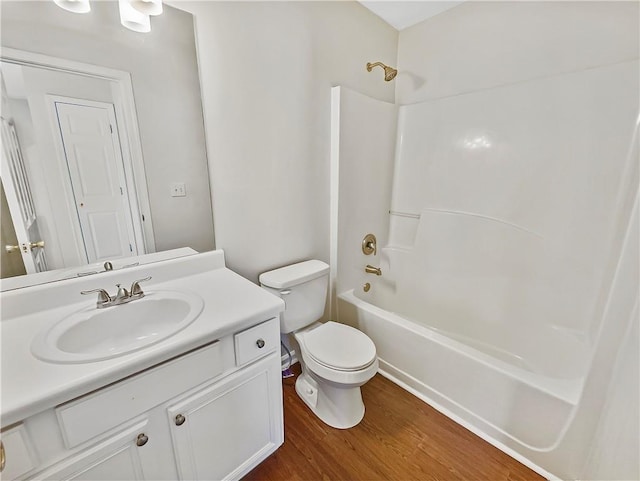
point(339, 347)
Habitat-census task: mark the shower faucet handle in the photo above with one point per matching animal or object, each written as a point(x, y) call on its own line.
point(369, 245)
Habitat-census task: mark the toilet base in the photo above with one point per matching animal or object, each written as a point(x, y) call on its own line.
point(339, 407)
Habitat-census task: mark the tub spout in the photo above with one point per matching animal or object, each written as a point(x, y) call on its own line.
point(373, 270)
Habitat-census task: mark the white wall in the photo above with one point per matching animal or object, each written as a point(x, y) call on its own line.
point(163, 67)
point(478, 45)
point(267, 69)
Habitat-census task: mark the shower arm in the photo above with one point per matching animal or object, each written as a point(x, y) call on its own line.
point(389, 72)
point(376, 64)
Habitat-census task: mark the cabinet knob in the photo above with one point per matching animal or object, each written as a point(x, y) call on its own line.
point(142, 439)
point(260, 343)
point(180, 419)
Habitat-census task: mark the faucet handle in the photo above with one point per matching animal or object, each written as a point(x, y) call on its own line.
point(136, 290)
point(103, 296)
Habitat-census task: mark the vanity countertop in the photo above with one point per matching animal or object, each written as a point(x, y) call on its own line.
point(29, 385)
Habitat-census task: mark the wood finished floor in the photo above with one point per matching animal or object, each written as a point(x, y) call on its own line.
point(400, 438)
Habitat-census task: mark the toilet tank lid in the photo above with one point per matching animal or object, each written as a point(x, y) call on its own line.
point(294, 274)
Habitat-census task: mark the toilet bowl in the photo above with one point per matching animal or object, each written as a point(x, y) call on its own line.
point(336, 359)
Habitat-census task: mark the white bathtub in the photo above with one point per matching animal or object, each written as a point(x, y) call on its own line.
point(490, 387)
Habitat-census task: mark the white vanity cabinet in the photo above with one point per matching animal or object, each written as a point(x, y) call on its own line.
point(224, 430)
point(212, 413)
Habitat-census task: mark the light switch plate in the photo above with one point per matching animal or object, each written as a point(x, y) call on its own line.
point(178, 189)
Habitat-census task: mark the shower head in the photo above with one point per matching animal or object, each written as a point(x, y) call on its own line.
point(389, 72)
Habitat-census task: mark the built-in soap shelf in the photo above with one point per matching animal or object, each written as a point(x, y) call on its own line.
point(403, 228)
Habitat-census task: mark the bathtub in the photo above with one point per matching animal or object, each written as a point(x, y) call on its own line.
point(518, 403)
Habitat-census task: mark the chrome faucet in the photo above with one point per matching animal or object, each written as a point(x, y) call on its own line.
point(122, 296)
point(373, 270)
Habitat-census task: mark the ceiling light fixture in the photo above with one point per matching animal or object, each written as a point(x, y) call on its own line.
point(134, 14)
point(132, 18)
point(147, 7)
point(75, 6)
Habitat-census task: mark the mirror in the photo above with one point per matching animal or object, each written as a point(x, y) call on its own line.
point(64, 74)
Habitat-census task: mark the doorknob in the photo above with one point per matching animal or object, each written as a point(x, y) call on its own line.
point(25, 247)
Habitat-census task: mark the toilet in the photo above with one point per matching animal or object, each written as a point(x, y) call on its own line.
point(336, 359)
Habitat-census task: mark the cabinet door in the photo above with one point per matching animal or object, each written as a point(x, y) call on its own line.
point(225, 430)
point(18, 455)
point(118, 457)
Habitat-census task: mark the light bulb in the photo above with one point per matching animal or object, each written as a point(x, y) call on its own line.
point(75, 6)
point(133, 19)
point(147, 7)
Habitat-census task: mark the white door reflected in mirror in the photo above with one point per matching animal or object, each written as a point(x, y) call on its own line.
point(20, 203)
point(92, 150)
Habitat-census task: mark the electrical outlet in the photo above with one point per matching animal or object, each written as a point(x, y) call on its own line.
point(178, 189)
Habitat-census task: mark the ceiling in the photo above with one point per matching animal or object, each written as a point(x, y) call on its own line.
point(402, 14)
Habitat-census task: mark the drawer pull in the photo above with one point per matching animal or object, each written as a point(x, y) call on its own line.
point(260, 343)
point(142, 439)
point(3, 459)
point(180, 419)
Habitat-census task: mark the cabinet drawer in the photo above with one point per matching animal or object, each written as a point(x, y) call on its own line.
point(79, 419)
point(117, 457)
point(17, 452)
point(257, 341)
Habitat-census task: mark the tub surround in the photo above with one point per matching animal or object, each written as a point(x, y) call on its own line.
point(513, 177)
point(232, 305)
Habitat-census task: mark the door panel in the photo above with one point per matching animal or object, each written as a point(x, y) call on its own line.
point(95, 179)
point(20, 201)
point(107, 227)
point(119, 457)
point(96, 171)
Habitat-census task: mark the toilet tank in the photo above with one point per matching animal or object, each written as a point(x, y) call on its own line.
point(303, 287)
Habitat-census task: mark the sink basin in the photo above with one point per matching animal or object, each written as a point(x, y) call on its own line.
point(92, 334)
